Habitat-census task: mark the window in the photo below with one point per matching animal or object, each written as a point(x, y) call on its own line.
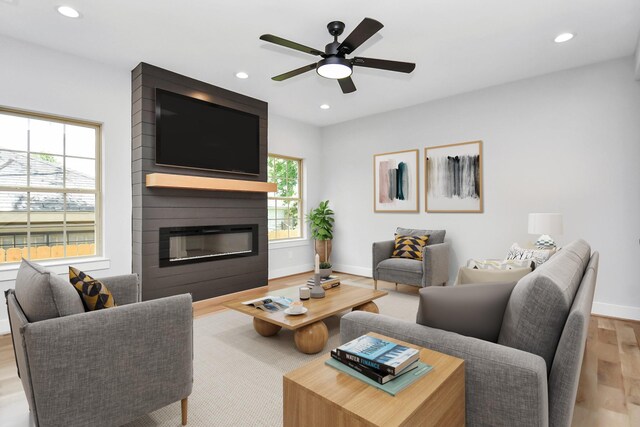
point(285, 205)
point(49, 187)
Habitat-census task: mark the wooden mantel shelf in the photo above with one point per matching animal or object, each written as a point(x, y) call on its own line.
point(165, 180)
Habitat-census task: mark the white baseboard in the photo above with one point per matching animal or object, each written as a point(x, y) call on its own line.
point(619, 311)
point(352, 269)
point(4, 327)
point(288, 271)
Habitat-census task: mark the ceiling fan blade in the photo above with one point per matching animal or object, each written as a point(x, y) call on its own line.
point(294, 73)
point(347, 85)
point(363, 32)
point(383, 64)
point(291, 45)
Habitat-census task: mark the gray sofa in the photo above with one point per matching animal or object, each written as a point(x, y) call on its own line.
point(432, 270)
point(99, 368)
point(522, 343)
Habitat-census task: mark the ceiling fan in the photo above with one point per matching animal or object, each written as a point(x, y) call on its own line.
point(334, 64)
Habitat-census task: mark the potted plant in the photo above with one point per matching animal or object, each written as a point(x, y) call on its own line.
point(325, 269)
point(321, 222)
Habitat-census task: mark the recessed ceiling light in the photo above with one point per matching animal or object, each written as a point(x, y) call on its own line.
point(68, 11)
point(242, 75)
point(325, 106)
point(564, 37)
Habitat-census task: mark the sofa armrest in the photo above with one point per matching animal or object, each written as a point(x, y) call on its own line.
point(381, 251)
point(503, 386)
point(125, 289)
point(129, 360)
point(474, 310)
point(435, 264)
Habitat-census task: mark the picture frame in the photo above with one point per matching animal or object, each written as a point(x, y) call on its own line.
point(453, 178)
point(396, 182)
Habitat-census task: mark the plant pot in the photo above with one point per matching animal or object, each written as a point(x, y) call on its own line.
point(325, 272)
point(320, 250)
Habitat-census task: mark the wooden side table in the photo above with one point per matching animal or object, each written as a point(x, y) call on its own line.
point(316, 395)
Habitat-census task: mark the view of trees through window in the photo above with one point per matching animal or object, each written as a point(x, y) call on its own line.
point(48, 187)
point(285, 205)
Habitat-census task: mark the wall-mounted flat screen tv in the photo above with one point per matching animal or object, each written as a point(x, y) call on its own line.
point(192, 133)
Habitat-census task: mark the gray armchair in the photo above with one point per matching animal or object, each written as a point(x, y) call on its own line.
point(522, 343)
point(104, 367)
point(432, 270)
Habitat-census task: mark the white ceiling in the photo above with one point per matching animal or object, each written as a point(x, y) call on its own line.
point(458, 46)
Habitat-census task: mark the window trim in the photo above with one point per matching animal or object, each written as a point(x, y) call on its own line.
point(98, 232)
point(300, 197)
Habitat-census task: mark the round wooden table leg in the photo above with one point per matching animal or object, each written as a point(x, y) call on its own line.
point(311, 339)
point(265, 329)
point(370, 306)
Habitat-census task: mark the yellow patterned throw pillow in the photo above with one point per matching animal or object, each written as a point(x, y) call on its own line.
point(94, 293)
point(409, 246)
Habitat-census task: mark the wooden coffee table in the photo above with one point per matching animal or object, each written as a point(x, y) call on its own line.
point(311, 333)
point(317, 395)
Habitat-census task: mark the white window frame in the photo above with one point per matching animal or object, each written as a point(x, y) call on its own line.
point(300, 200)
point(97, 191)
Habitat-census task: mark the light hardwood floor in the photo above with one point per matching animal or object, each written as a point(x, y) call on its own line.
point(608, 395)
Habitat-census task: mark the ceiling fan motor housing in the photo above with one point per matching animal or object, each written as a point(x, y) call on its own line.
point(332, 49)
point(335, 28)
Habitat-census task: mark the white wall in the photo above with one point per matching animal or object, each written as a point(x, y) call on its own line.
point(292, 138)
point(47, 81)
point(566, 142)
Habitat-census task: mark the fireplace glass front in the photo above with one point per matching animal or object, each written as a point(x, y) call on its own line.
point(185, 245)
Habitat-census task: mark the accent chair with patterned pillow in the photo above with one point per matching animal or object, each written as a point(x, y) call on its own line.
point(131, 360)
point(401, 261)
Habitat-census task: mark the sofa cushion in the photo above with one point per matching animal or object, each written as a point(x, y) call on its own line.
point(400, 270)
point(474, 310)
point(435, 236)
point(401, 264)
point(95, 294)
point(409, 246)
point(42, 294)
point(540, 302)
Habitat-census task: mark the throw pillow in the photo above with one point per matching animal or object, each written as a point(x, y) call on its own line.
point(409, 246)
point(94, 293)
point(539, 256)
point(507, 264)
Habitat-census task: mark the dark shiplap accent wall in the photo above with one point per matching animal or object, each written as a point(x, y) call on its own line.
point(159, 207)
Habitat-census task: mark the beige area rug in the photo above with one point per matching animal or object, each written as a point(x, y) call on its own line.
point(238, 373)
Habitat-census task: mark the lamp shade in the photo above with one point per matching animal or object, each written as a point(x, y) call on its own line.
point(545, 223)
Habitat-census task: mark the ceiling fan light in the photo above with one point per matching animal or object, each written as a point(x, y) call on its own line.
point(334, 68)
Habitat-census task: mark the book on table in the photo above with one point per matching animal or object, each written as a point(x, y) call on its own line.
point(326, 282)
point(270, 303)
point(378, 376)
point(378, 354)
point(393, 387)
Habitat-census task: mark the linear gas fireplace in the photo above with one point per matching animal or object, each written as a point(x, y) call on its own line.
point(186, 245)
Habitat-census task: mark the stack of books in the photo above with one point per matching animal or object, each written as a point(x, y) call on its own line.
point(377, 359)
point(326, 282)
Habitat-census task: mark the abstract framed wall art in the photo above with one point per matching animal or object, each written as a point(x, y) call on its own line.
point(453, 177)
point(395, 181)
